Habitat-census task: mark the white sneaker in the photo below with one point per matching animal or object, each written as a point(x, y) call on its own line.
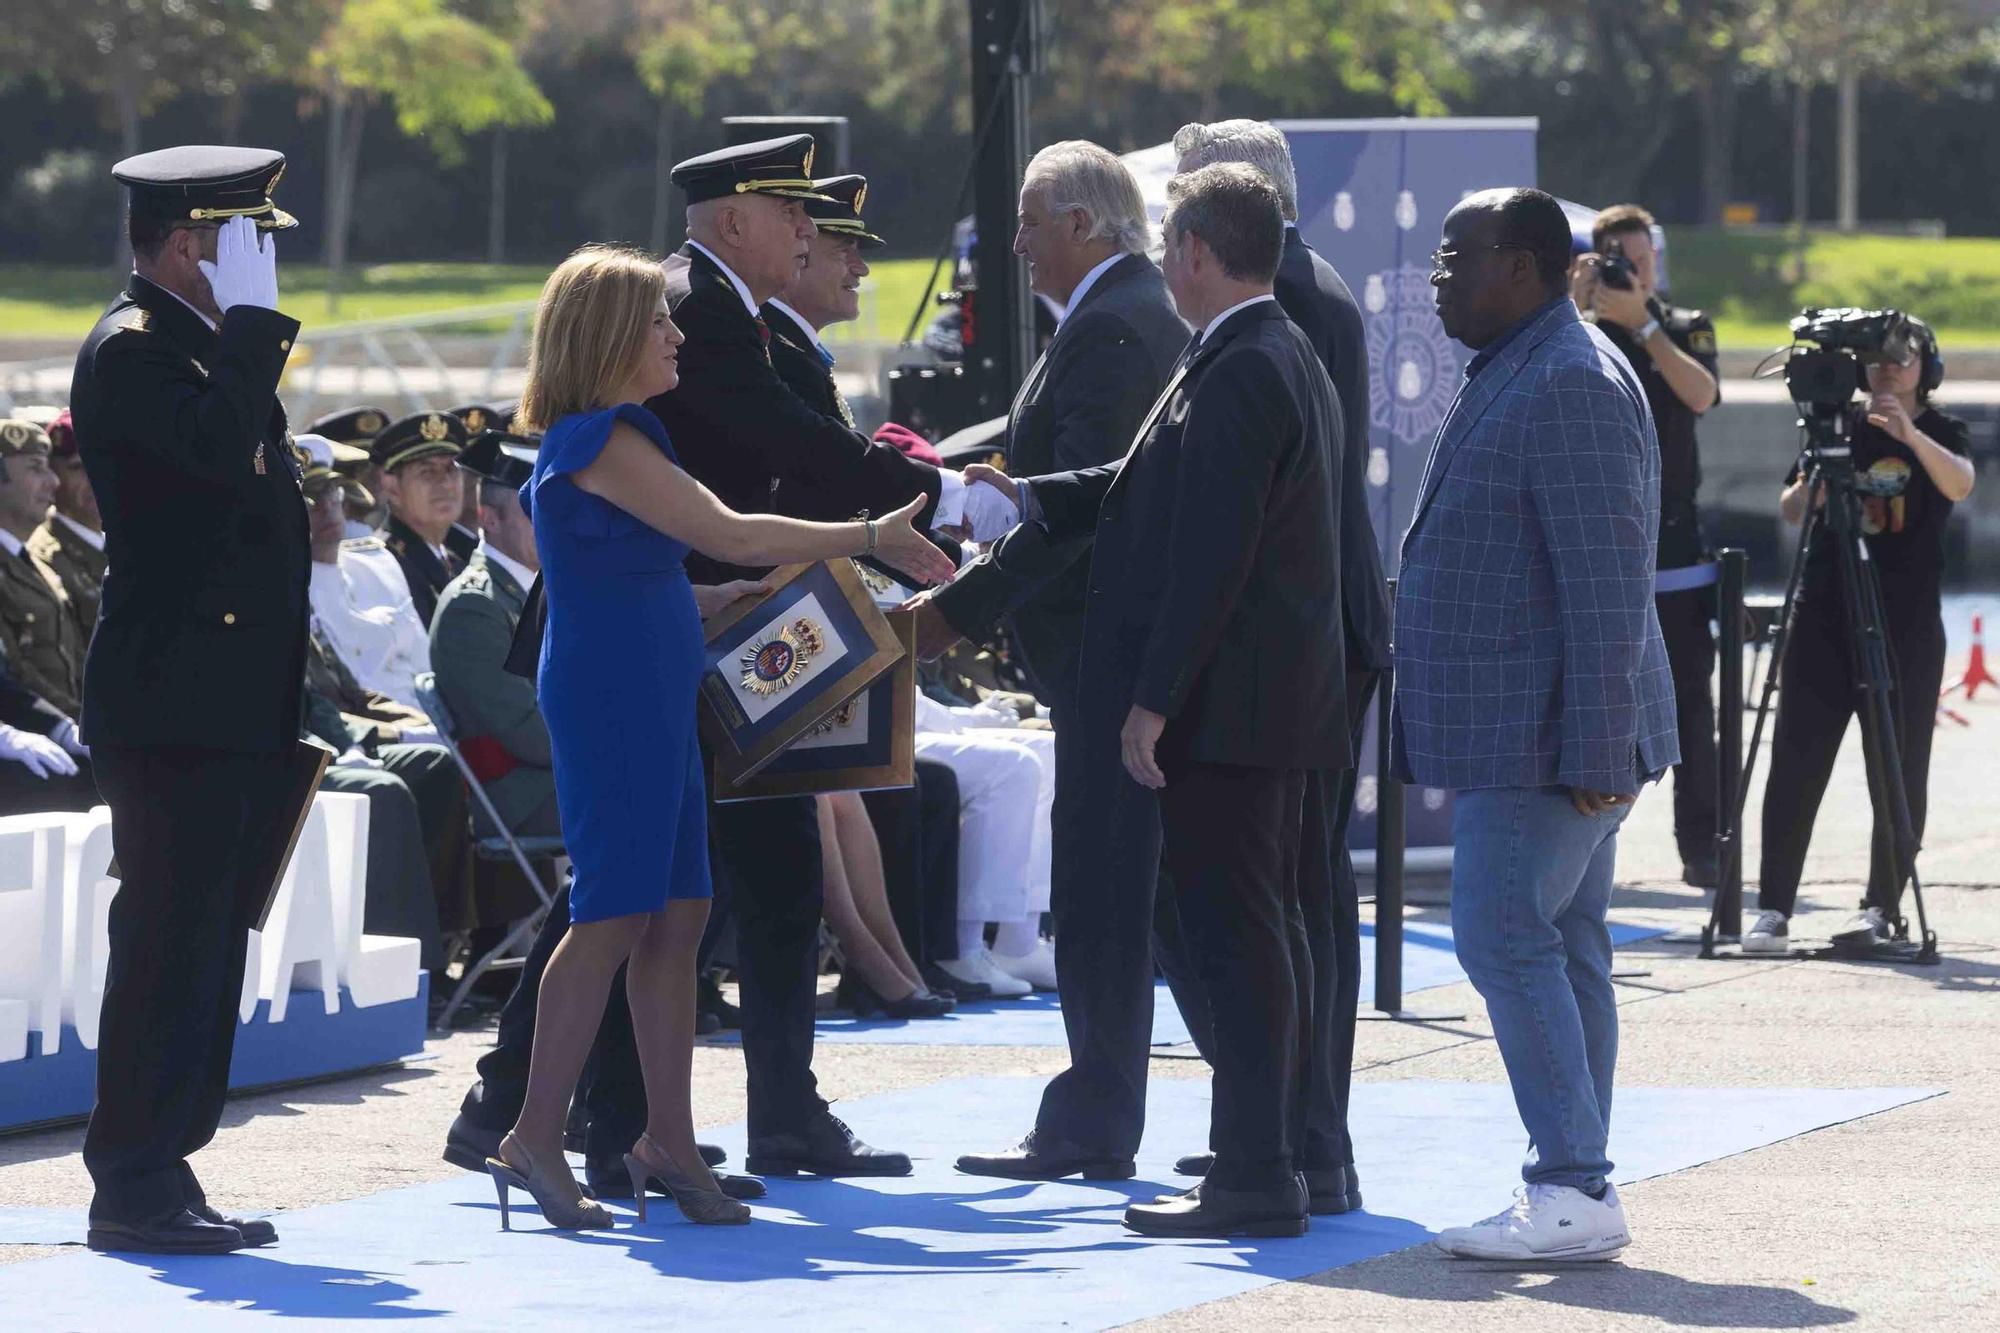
point(1771, 934)
point(980, 969)
point(1037, 968)
point(1546, 1224)
point(1866, 926)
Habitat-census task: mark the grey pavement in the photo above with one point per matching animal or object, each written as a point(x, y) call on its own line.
point(1882, 1223)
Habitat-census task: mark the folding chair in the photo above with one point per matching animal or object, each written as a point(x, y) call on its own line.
point(503, 846)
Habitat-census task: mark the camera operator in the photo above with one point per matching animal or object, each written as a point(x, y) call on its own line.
point(1910, 468)
point(1672, 349)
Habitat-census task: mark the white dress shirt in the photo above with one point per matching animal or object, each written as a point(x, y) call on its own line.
point(89, 535)
point(1089, 279)
point(1216, 323)
point(516, 571)
point(742, 287)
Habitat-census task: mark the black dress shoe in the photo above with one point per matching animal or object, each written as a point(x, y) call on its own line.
point(708, 1000)
point(607, 1178)
point(467, 1144)
point(1040, 1158)
point(824, 1147)
point(942, 982)
point(178, 1232)
point(1207, 1210)
point(865, 1002)
point(1194, 1164)
point(1326, 1190)
point(256, 1231)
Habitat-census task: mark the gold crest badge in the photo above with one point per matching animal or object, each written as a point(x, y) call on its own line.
point(370, 423)
point(433, 428)
point(775, 662)
point(475, 420)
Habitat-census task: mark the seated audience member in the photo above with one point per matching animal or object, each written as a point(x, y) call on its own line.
point(71, 540)
point(424, 489)
point(477, 418)
point(381, 642)
point(1006, 784)
point(38, 772)
point(356, 428)
point(39, 630)
point(500, 728)
point(878, 977)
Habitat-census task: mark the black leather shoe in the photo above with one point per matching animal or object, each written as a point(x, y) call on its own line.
point(1326, 1191)
point(467, 1144)
point(865, 1002)
point(178, 1232)
point(1039, 1158)
point(824, 1147)
point(256, 1231)
point(944, 983)
point(1194, 1164)
point(607, 1178)
point(1207, 1210)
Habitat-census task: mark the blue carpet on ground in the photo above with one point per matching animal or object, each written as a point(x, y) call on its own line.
point(1428, 961)
point(936, 1249)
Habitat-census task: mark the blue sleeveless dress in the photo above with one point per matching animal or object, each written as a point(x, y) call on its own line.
point(620, 660)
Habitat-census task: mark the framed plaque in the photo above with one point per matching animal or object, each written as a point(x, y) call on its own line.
point(867, 743)
point(775, 667)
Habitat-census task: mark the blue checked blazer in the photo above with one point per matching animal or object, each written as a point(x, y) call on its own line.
point(1527, 650)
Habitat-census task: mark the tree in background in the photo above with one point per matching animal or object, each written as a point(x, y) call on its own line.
point(444, 74)
point(688, 47)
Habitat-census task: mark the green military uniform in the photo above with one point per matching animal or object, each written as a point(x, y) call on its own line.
point(43, 639)
point(499, 723)
point(78, 565)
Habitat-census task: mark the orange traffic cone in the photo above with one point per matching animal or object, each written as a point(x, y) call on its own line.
point(1976, 673)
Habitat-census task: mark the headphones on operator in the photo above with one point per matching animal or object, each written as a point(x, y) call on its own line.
point(1925, 342)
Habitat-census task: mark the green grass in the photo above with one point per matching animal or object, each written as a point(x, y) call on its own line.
point(1746, 282)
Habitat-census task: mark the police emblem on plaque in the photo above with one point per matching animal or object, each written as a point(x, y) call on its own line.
point(1416, 367)
point(773, 663)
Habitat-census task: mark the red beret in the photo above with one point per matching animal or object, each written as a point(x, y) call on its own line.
point(62, 436)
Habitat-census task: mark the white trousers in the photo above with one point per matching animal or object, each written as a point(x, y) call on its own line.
point(1006, 787)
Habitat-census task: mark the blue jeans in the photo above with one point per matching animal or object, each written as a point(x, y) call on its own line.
point(1530, 886)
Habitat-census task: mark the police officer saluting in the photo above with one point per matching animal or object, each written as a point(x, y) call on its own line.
point(175, 402)
point(1672, 349)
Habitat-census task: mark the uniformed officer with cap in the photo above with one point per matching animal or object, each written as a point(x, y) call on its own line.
point(177, 418)
point(425, 491)
point(477, 418)
point(71, 540)
point(355, 428)
point(39, 631)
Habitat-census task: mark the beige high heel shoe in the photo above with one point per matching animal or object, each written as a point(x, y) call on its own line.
point(555, 1192)
point(704, 1204)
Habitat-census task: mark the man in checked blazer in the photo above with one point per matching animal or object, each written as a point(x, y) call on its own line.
point(1531, 681)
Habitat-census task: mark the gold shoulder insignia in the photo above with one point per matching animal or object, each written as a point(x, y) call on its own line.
point(137, 320)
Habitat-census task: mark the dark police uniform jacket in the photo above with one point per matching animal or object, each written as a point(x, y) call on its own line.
point(1317, 300)
point(422, 570)
point(1681, 540)
point(1078, 408)
point(738, 429)
point(1215, 572)
point(205, 528)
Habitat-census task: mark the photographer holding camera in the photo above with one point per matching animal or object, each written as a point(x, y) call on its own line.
point(1910, 468)
point(1672, 350)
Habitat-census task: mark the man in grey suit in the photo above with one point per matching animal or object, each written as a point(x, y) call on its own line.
point(1532, 682)
point(1084, 233)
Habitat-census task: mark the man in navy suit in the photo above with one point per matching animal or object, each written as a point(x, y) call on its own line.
point(1315, 298)
point(1532, 681)
point(1212, 671)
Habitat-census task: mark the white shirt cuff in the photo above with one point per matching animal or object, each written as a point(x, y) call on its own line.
point(951, 498)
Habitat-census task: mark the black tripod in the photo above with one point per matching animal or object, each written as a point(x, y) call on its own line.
point(1828, 466)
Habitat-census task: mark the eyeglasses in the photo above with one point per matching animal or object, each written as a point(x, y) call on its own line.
point(1441, 260)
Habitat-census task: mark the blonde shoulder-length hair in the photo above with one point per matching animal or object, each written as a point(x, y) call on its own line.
point(591, 327)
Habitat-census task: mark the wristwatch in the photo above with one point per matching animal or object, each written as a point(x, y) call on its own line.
point(1645, 331)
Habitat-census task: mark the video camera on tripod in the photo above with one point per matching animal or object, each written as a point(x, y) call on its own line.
point(1822, 377)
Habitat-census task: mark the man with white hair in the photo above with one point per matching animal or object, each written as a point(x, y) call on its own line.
point(1084, 234)
point(1314, 297)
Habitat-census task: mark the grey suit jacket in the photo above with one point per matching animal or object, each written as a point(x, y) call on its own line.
point(1078, 408)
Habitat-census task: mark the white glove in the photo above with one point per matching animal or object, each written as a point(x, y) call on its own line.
point(989, 513)
point(67, 736)
point(356, 757)
point(43, 757)
point(245, 271)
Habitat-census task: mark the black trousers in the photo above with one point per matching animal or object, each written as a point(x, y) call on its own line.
point(612, 1089)
point(1232, 837)
point(1106, 852)
point(918, 829)
point(189, 827)
point(1684, 623)
point(1329, 925)
point(1817, 697)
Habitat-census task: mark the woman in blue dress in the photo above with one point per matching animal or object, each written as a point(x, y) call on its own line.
point(614, 515)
